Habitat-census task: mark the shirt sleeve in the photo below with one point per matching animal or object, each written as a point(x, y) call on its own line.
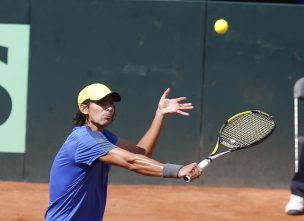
point(92, 147)
point(110, 136)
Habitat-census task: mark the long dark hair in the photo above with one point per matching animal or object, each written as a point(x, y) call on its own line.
point(80, 118)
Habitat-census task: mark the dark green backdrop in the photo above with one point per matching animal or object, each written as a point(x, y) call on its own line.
point(139, 48)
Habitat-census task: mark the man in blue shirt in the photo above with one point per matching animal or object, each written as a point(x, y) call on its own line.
point(79, 174)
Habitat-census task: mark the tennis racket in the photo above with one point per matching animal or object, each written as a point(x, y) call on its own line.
point(243, 130)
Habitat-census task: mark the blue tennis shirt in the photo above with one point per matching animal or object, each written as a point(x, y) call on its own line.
point(78, 180)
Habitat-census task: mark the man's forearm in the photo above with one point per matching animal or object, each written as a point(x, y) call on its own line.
point(149, 140)
point(146, 166)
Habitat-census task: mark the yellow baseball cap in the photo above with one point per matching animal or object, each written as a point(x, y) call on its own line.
point(96, 92)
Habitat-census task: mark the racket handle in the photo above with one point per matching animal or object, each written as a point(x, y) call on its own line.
point(203, 164)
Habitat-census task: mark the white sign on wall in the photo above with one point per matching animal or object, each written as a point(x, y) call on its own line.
point(14, 59)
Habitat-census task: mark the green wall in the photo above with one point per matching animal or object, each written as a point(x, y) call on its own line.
point(139, 48)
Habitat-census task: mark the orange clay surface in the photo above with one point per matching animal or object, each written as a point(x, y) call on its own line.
point(28, 201)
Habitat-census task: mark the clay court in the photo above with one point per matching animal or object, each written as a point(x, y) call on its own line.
point(28, 201)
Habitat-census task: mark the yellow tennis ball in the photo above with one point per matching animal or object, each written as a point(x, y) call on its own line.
point(221, 26)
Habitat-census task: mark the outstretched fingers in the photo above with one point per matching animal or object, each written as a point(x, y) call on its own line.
point(186, 106)
point(182, 113)
point(174, 105)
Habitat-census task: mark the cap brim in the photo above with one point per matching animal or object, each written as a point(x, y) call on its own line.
point(116, 97)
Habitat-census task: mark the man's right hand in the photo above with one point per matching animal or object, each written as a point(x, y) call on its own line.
point(192, 170)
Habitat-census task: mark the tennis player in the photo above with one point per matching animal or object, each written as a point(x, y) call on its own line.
point(79, 174)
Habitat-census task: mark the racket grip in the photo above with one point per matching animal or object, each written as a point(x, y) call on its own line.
point(203, 164)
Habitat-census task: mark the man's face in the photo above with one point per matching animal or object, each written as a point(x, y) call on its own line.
point(100, 113)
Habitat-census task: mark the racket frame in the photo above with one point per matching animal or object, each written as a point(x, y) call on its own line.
point(206, 162)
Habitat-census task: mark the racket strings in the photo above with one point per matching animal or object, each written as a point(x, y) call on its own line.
point(247, 130)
